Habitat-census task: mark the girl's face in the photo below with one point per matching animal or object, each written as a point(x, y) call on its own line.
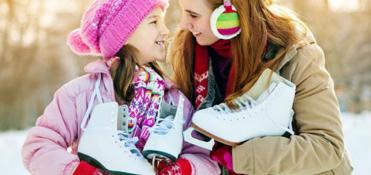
point(196, 18)
point(150, 36)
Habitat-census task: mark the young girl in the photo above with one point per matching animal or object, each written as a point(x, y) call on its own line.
point(210, 70)
point(130, 36)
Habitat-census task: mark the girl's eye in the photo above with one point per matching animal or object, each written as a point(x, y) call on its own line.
point(154, 22)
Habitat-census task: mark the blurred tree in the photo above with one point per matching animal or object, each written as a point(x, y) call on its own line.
point(16, 57)
point(34, 59)
point(345, 37)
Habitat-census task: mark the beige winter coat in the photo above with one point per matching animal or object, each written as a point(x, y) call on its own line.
point(318, 146)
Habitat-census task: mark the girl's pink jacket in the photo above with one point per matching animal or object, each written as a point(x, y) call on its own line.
point(45, 149)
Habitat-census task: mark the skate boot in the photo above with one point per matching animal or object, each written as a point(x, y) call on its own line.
point(260, 112)
point(166, 138)
point(107, 148)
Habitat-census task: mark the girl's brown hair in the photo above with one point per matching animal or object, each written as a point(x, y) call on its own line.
point(123, 72)
point(259, 25)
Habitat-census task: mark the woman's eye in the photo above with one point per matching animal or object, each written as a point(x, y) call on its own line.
point(193, 15)
point(154, 22)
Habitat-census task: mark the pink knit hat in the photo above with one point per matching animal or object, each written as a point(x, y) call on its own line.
point(107, 25)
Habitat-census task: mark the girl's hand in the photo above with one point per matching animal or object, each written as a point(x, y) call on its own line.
point(86, 169)
point(180, 167)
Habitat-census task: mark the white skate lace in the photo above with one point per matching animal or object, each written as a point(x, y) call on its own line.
point(242, 103)
point(163, 125)
point(129, 143)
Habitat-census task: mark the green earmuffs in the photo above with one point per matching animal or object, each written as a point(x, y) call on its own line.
point(225, 21)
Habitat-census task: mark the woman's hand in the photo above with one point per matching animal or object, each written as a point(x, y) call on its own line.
point(223, 155)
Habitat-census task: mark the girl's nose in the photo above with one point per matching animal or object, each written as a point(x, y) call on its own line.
point(164, 30)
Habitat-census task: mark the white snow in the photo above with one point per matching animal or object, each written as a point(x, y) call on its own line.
point(357, 130)
point(357, 133)
point(10, 153)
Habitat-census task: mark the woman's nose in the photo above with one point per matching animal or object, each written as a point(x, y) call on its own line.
point(186, 26)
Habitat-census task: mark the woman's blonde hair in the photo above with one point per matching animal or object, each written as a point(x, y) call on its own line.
point(259, 25)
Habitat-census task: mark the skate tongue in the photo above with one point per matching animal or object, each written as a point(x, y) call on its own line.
point(241, 102)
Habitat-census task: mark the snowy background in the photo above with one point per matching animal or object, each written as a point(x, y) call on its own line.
point(357, 130)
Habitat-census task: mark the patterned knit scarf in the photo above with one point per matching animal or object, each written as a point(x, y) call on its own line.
point(201, 68)
point(149, 89)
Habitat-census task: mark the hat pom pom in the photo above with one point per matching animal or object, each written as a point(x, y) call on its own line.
point(76, 43)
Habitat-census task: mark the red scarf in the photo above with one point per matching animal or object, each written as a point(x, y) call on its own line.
point(201, 68)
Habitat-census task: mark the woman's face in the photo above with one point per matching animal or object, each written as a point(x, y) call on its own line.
point(196, 19)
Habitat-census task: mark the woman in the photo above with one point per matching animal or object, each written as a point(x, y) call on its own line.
point(210, 71)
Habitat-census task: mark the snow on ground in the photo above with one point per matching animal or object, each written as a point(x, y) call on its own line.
point(357, 130)
point(10, 153)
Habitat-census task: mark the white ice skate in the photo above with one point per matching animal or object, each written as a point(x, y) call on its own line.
point(166, 139)
point(260, 112)
point(105, 147)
